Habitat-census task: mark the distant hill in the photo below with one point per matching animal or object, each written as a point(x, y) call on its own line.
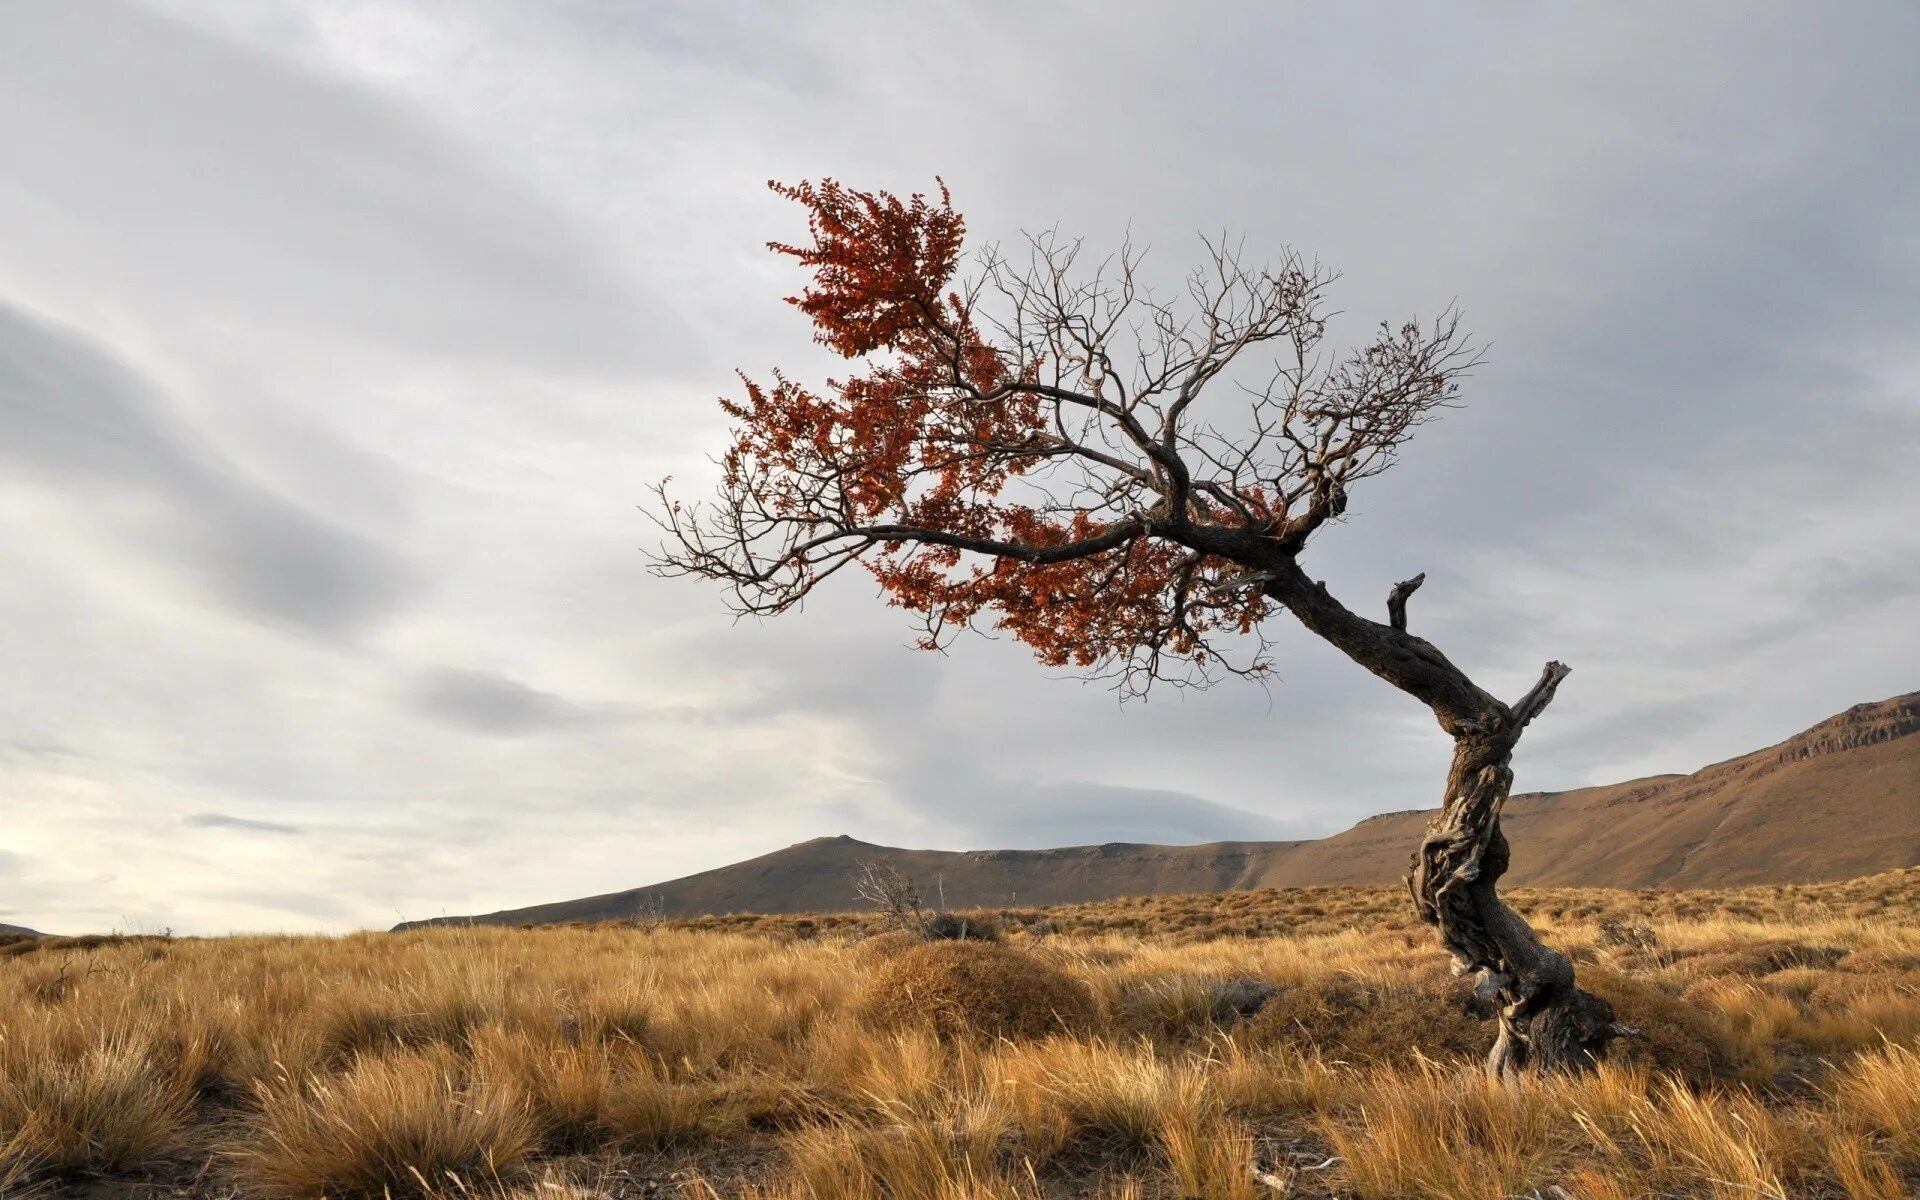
point(1839, 800)
point(19, 931)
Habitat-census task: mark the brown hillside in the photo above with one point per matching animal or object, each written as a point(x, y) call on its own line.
point(817, 875)
point(1839, 800)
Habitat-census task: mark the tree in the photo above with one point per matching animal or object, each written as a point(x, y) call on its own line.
point(1039, 449)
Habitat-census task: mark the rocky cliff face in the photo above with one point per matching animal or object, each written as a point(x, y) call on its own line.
point(1861, 725)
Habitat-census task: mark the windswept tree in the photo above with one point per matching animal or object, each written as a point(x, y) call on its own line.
point(1126, 484)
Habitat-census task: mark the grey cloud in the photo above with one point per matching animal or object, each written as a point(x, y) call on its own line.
point(756, 46)
point(487, 703)
point(45, 748)
point(985, 812)
point(1821, 593)
point(1577, 743)
point(10, 864)
point(304, 904)
point(211, 820)
point(1288, 748)
point(1068, 813)
point(150, 152)
point(76, 419)
point(1705, 378)
point(870, 674)
point(1834, 586)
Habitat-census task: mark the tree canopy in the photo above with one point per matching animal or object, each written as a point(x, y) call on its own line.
point(1049, 449)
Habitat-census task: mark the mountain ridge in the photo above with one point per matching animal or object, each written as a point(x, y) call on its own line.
point(1837, 800)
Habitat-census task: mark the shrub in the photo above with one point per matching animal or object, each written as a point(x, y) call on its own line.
point(1371, 1022)
point(1689, 1040)
point(954, 927)
point(1876, 961)
point(886, 945)
point(977, 988)
point(1758, 958)
point(1837, 988)
point(1627, 935)
point(1181, 1005)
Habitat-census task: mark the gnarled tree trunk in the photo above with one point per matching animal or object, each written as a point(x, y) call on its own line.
point(1546, 1022)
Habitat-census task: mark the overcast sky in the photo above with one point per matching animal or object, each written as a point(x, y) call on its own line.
point(340, 341)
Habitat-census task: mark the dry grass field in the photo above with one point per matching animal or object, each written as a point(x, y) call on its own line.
point(1088, 1053)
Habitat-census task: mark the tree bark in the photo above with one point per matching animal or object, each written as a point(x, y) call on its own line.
point(1546, 1022)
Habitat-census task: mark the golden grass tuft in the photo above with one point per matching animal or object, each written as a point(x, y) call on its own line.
point(887, 943)
point(403, 1122)
point(1356, 1020)
point(1065, 1090)
point(917, 1160)
point(109, 1107)
point(1879, 1095)
point(977, 988)
point(584, 1096)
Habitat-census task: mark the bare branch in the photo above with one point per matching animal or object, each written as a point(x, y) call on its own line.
point(893, 892)
point(1397, 600)
point(1539, 696)
point(1054, 411)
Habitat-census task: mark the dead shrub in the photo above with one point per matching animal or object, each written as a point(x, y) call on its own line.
point(590, 1095)
point(977, 988)
point(1879, 1093)
point(914, 1160)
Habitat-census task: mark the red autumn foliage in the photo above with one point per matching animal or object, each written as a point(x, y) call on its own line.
point(1001, 471)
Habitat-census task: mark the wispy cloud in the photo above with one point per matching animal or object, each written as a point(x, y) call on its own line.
point(74, 419)
point(223, 821)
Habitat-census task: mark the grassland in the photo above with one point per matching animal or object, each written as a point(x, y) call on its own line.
point(1087, 1054)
